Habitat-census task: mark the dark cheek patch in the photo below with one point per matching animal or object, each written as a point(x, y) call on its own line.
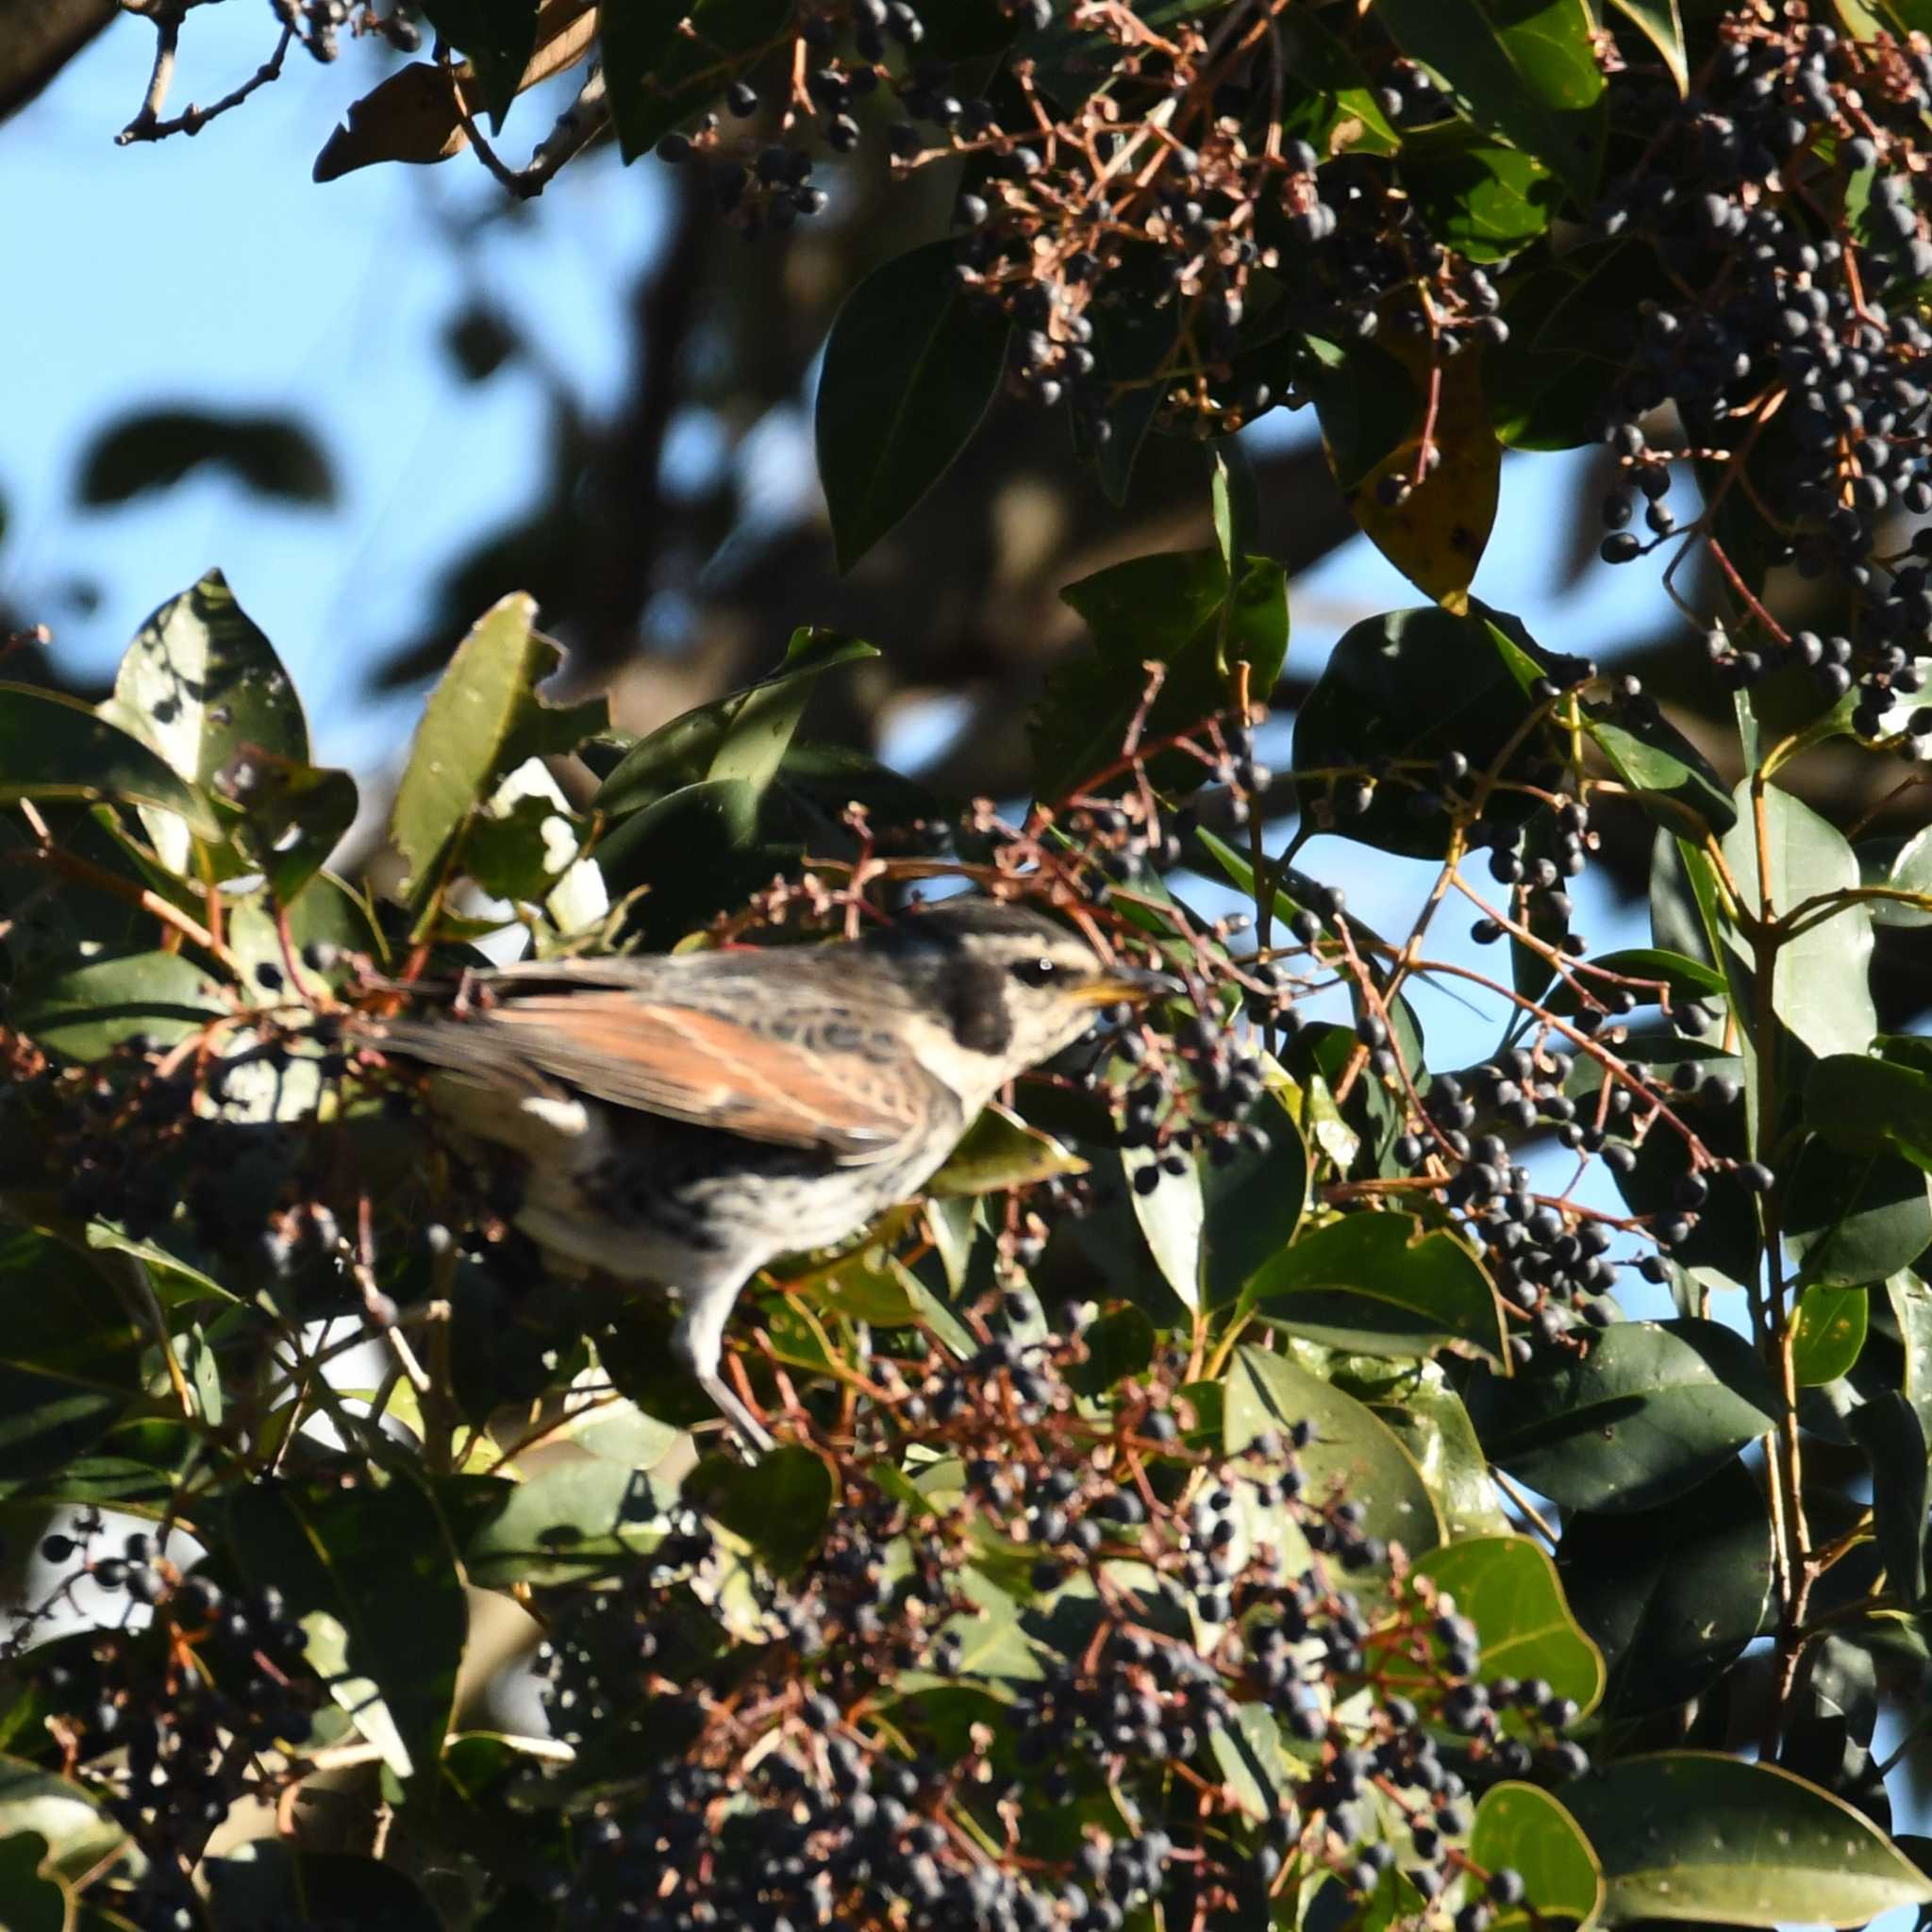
point(974, 1000)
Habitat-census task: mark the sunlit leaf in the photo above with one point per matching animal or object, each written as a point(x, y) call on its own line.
point(1697, 1835)
point(482, 720)
point(1523, 1830)
point(1350, 1450)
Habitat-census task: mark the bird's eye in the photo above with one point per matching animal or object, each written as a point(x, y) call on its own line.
point(1035, 971)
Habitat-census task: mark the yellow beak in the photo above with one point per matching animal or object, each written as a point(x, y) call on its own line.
point(1133, 984)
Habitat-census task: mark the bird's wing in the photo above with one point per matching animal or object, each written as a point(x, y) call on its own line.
point(836, 1083)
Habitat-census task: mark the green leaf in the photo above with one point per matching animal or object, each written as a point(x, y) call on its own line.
point(698, 850)
point(1676, 900)
point(294, 816)
point(1118, 1345)
point(1485, 200)
point(34, 1900)
point(496, 37)
point(1831, 1332)
point(139, 1465)
point(329, 913)
point(1412, 685)
point(1821, 987)
point(86, 1011)
point(201, 682)
point(1350, 1449)
point(1130, 340)
point(778, 1504)
point(264, 1883)
point(1521, 1828)
point(1698, 1835)
point(1366, 401)
point(1437, 528)
point(1237, 507)
point(1325, 91)
point(913, 363)
point(1648, 1413)
point(1662, 25)
point(569, 1523)
point(1549, 384)
point(1173, 1217)
point(519, 850)
point(1178, 608)
point(53, 746)
point(998, 1151)
point(866, 1283)
point(745, 735)
point(1852, 1218)
point(1670, 1611)
point(1254, 1202)
point(632, 44)
point(1252, 1764)
point(1510, 1588)
point(1674, 781)
point(658, 76)
point(1866, 1105)
point(1525, 69)
point(1690, 913)
point(758, 725)
point(992, 1641)
point(370, 1569)
point(1909, 871)
point(1688, 978)
point(1429, 1420)
point(79, 1834)
point(1380, 1284)
point(1911, 1302)
point(1889, 1431)
point(482, 720)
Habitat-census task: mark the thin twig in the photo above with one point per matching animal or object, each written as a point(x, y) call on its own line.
point(574, 128)
point(84, 872)
point(1531, 1514)
point(148, 126)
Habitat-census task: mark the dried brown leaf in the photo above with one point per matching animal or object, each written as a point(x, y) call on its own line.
point(413, 116)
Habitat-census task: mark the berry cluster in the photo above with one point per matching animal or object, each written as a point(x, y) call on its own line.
point(1131, 201)
point(837, 65)
point(1781, 199)
point(170, 1720)
point(1054, 1766)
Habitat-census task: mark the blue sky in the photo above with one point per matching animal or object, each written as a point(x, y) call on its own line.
point(215, 270)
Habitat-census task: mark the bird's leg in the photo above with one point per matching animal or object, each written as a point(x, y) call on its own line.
point(698, 1341)
point(750, 1429)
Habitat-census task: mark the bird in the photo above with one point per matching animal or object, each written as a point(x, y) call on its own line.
point(684, 1119)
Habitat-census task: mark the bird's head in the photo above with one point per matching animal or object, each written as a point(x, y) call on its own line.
point(1012, 986)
